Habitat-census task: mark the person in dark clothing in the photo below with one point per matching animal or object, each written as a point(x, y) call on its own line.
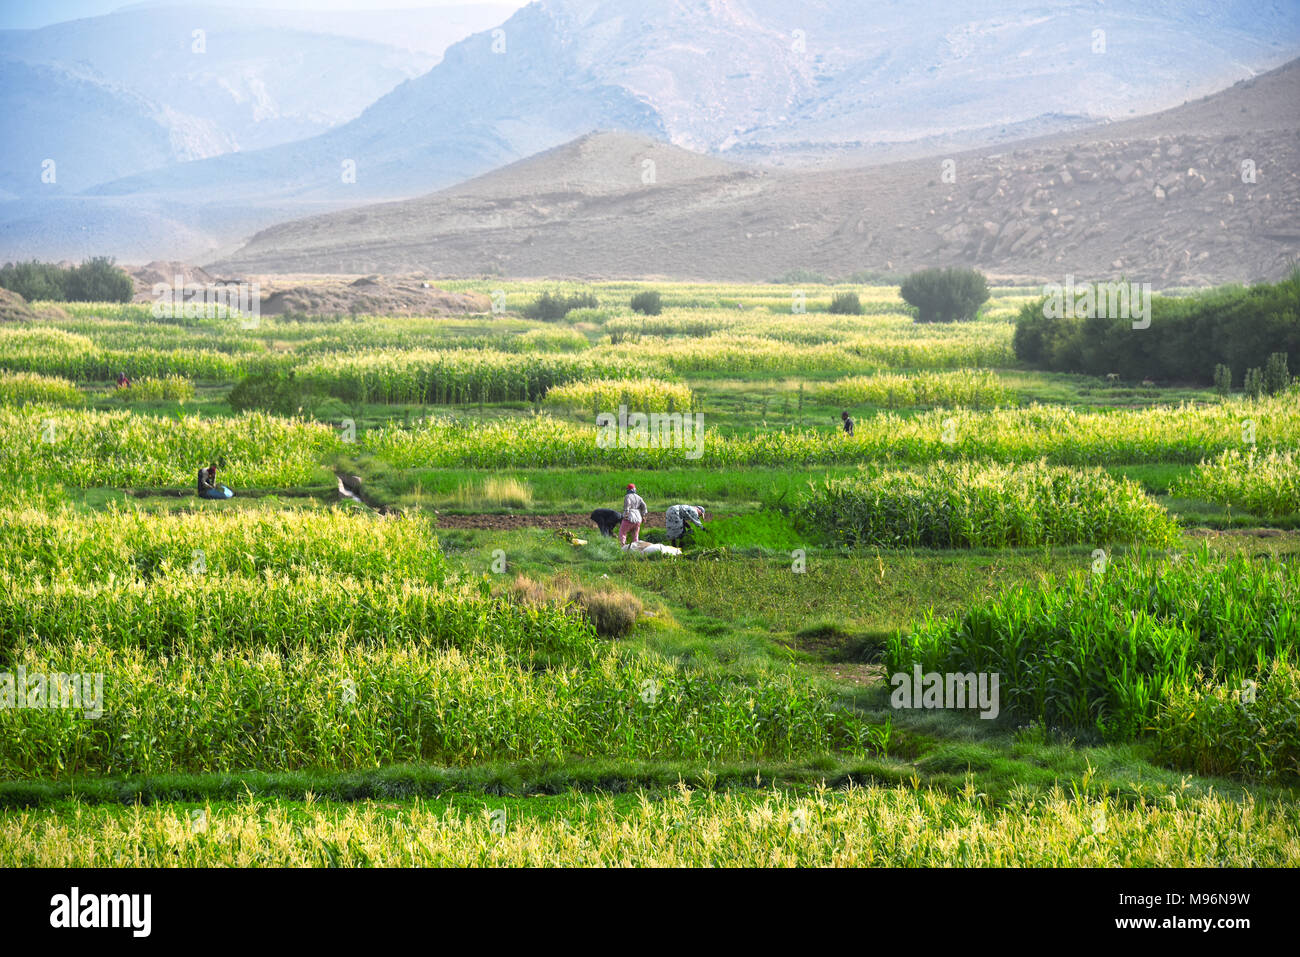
point(208, 487)
point(606, 520)
point(848, 423)
point(207, 478)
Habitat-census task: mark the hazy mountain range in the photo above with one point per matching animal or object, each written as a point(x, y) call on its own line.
point(163, 158)
point(1202, 193)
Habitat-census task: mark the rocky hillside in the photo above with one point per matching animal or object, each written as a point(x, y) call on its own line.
point(1159, 199)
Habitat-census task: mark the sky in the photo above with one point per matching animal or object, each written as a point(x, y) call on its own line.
point(29, 14)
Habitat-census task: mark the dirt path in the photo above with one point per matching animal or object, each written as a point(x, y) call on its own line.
point(572, 521)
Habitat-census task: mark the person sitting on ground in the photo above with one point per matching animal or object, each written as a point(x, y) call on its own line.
point(208, 487)
point(679, 519)
point(634, 513)
point(848, 423)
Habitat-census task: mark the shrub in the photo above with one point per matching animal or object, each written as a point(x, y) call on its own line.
point(1234, 326)
point(1254, 383)
point(99, 280)
point(647, 303)
point(34, 280)
point(551, 307)
point(1276, 376)
point(846, 304)
point(275, 392)
point(1222, 379)
point(945, 295)
point(95, 280)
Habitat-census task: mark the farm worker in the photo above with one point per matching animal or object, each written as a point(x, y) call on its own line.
point(208, 487)
point(634, 513)
point(678, 517)
point(848, 423)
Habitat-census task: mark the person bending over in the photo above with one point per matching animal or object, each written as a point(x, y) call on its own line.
point(208, 487)
point(680, 518)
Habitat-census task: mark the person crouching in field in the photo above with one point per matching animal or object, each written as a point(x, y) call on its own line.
point(634, 513)
point(208, 487)
point(680, 518)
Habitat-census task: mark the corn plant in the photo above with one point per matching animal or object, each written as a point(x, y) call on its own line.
point(973, 505)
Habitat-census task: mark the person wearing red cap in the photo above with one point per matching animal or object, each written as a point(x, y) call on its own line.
point(634, 513)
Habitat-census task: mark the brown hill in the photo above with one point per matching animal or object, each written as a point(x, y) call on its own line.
point(1165, 198)
point(373, 295)
point(14, 308)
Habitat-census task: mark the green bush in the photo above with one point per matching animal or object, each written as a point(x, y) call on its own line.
point(551, 307)
point(275, 392)
point(1222, 379)
point(1276, 376)
point(34, 280)
point(99, 280)
point(647, 303)
point(95, 280)
point(945, 295)
point(1189, 336)
point(846, 304)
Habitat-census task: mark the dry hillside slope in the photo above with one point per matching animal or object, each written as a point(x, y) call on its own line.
point(1162, 199)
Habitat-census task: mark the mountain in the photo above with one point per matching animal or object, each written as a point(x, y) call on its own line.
point(821, 82)
point(1160, 199)
point(135, 90)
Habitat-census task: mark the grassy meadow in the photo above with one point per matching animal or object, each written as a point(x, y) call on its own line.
point(451, 666)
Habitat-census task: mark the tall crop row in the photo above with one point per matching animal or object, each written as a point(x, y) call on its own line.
point(976, 505)
point(83, 448)
point(607, 395)
point(1104, 650)
point(455, 376)
point(1184, 433)
point(855, 827)
point(1266, 484)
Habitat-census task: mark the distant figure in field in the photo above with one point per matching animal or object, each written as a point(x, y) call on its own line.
point(848, 423)
point(606, 520)
point(208, 487)
point(634, 513)
point(123, 382)
point(680, 518)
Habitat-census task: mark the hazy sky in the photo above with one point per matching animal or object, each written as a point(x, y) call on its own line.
point(39, 13)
